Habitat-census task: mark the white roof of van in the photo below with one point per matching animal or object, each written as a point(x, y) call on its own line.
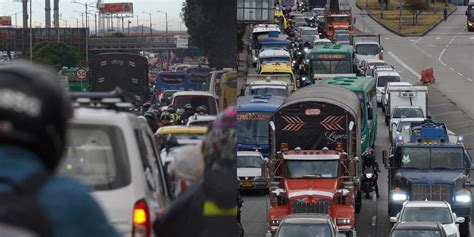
point(274, 53)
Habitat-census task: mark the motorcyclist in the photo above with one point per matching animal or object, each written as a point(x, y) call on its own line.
point(188, 112)
point(165, 119)
point(369, 161)
point(173, 115)
point(208, 207)
point(34, 114)
point(201, 110)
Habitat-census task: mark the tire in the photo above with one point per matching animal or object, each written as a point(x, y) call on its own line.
point(387, 120)
point(358, 202)
point(464, 228)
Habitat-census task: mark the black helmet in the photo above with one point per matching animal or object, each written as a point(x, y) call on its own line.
point(171, 109)
point(34, 110)
point(188, 107)
point(201, 109)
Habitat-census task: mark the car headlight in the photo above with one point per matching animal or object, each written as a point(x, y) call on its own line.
point(299, 53)
point(399, 197)
point(369, 175)
point(276, 222)
point(343, 221)
point(464, 197)
point(304, 78)
point(255, 58)
point(306, 50)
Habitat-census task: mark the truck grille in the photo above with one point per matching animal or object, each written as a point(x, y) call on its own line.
point(321, 206)
point(434, 192)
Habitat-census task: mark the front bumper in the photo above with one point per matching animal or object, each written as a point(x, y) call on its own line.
point(462, 211)
point(255, 185)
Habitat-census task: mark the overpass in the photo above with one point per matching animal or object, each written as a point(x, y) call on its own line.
point(17, 39)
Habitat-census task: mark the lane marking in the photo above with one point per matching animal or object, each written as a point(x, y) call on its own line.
point(418, 40)
point(374, 220)
point(438, 38)
point(429, 45)
point(469, 79)
point(452, 69)
point(439, 58)
point(408, 68)
point(442, 104)
point(460, 74)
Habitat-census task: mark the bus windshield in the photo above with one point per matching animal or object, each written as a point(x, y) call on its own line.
point(267, 90)
point(280, 60)
point(252, 127)
point(431, 158)
point(295, 169)
point(172, 79)
point(340, 19)
point(331, 67)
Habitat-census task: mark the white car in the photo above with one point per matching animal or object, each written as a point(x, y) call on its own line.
point(386, 92)
point(382, 78)
point(367, 50)
point(323, 41)
point(368, 65)
point(402, 112)
point(115, 155)
point(251, 171)
point(432, 211)
point(195, 99)
point(200, 120)
point(403, 128)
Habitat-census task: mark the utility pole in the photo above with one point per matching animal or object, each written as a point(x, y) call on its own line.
point(401, 13)
point(128, 27)
point(151, 29)
point(47, 9)
point(31, 31)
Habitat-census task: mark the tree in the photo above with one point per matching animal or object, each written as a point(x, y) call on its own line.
point(56, 54)
point(212, 26)
point(416, 7)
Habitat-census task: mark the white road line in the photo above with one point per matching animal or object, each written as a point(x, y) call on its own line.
point(418, 40)
point(469, 79)
point(452, 69)
point(439, 58)
point(404, 65)
point(374, 220)
point(460, 74)
point(438, 38)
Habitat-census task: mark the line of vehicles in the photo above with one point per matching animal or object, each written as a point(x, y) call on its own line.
point(307, 136)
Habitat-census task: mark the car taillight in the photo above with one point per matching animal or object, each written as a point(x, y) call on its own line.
point(141, 226)
point(182, 186)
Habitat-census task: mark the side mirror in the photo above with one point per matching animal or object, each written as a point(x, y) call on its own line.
point(386, 154)
point(393, 219)
point(460, 220)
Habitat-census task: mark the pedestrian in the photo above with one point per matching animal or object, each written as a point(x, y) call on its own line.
point(34, 113)
point(445, 12)
point(208, 207)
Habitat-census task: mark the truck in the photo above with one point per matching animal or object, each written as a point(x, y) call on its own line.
point(253, 114)
point(314, 161)
point(129, 72)
point(338, 16)
point(433, 165)
point(366, 46)
point(406, 96)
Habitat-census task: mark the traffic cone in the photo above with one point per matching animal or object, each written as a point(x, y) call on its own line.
point(427, 76)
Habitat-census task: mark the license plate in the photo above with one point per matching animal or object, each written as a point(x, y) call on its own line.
point(247, 184)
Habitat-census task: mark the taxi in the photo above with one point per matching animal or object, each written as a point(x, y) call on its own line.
point(185, 135)
point(274, 62)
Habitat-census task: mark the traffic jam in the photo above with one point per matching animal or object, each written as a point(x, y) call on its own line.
point(307, 124)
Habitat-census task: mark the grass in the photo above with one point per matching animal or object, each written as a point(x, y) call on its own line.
point(391, 17)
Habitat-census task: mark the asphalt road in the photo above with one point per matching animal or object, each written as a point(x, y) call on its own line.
point(448, 49)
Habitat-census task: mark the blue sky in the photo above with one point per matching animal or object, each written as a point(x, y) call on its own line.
point(66, 8)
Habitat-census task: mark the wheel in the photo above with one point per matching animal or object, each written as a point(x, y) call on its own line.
point(464, 228)
point(387, 120)
point(358, 202)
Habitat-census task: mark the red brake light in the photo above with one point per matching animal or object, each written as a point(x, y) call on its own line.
point(182, 186)
point(141, 226)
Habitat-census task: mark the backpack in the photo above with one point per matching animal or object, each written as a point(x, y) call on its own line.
point(20, 212)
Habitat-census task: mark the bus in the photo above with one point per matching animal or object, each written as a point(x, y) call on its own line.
point(166, 80)
point(364, 88)
point(330, 60)
point(253, 116)
point(226, 89)
point(68, 76)
point(198, 77)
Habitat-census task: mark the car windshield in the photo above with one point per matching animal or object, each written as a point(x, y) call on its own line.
point(280, 60)
point(402, 125)
point(97, 156)
point(331, 67)
point(431, 158)
point(416, 233)
point(309, 32)
point(304, 230)
point(274, 90)
point(248, 162)
point(311, 168)
point(195, 101)
point(367, 49)
point(407, 113)
point(274, 47)
point(172, 79)
point(431, 214)
point(252, 127)
point(383, 80)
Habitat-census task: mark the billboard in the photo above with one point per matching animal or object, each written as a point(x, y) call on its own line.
point(5, 20)
point(116, 8)
point(259, 11)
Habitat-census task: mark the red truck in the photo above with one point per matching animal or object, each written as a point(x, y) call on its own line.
point(314, 164)
point(338, 16)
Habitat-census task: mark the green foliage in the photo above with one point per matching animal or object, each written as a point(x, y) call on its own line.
point(118, 35)
point(416, 7)
point(56, 54)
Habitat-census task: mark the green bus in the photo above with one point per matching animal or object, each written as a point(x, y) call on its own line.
point(364, 88)
point(68, 77)
point(331, 60)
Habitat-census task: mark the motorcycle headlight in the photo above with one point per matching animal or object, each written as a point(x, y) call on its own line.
point(306, 50)
point(294, 61)
point(463, 197)
point(299, 53)
point(369, 175)
point(343, 221)
point(304, 78)
point(399, 197)
point(255, 58)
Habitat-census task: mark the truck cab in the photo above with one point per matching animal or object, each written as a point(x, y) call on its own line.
point(433, 165)
point(313, 181)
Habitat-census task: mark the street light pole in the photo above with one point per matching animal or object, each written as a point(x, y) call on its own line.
point(151, 29)
point(31, 31)
point(166, 20)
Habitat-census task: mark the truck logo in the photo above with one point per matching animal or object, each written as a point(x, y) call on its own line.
point(294, 123)
point(331, 123)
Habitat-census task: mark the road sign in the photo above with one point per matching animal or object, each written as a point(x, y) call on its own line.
point(81, 74)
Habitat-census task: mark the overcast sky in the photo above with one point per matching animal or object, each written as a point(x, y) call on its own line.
point(66, 8)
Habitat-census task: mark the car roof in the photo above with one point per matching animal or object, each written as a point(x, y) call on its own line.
point(399, 83)
point(413, 225)
point(367, 42)
point(268, 83)
point(274, 53)
point(310, 218)
point(412, 119)
point(387, 73)
point(203, 93)
point(374, 60)
point(308, 28)
point(180, 129)
point(426, 204)
point(248, 153)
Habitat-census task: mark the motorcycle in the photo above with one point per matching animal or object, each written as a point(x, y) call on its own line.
point(370, 172)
